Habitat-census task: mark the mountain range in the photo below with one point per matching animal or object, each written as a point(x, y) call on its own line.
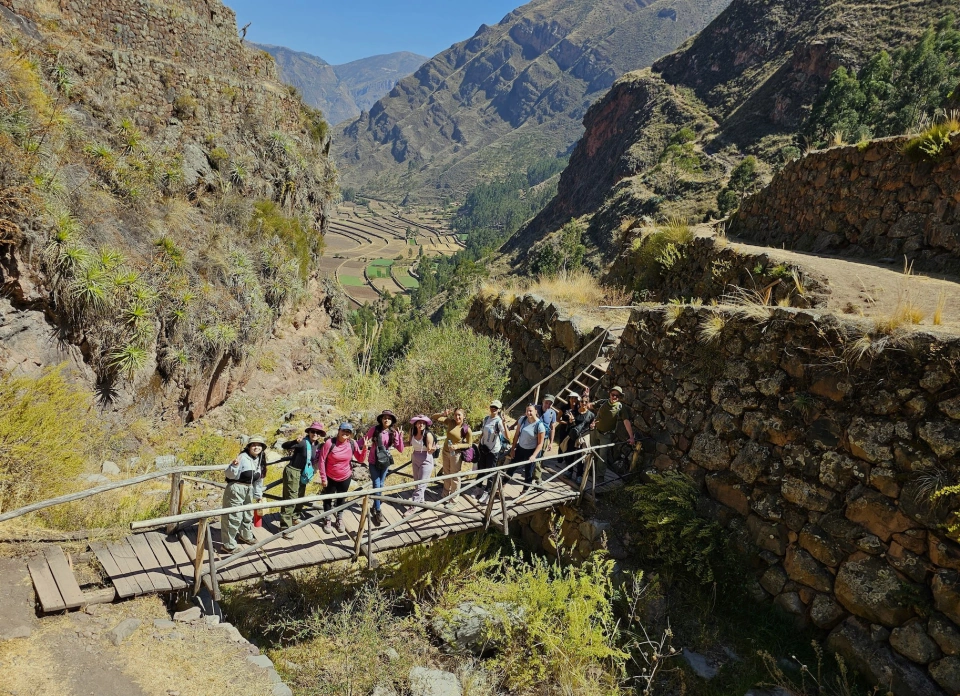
point(509, 96)
point(342, 92)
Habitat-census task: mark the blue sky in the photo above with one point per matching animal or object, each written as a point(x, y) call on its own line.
point(342, 31)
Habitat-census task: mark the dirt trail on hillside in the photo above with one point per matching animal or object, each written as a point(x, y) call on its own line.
point(861, 287)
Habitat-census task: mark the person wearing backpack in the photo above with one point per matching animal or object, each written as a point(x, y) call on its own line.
point(492, 433)
point(336, 471)
point(459, 439)
point(244, 486)
point(380, 438)
point(299, 472)
point(528, 442)
point(548, 414)
point(423, 443)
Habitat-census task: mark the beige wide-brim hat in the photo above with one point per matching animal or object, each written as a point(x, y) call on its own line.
point(257, 440)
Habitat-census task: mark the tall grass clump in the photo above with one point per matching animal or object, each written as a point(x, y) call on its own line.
point(48, 432)
point(449, 367)
point(657, 251)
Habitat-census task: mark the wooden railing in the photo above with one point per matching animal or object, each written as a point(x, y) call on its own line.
point(535, 389)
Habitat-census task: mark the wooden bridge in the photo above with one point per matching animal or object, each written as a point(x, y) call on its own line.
point(184, 556)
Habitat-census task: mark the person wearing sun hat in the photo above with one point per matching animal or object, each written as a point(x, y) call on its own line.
point(422, 442)
point(492, 430)
point(335, 466)
point(610, 413)
point(295, 479)
point(244, 486)
point(380, 438)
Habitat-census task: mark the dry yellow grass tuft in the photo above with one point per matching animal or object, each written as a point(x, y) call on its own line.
point(941, 305)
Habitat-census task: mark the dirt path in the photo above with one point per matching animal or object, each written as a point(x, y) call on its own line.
point(874, 290)
point(72, 655)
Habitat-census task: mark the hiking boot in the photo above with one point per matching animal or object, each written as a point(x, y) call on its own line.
point(483, 498)
point(377, 518)
point(338, 525)
point(248, 542)
point(327, 526)
point(229, 549)
point(288, 534)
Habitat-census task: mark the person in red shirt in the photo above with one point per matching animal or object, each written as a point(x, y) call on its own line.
point(335, 469)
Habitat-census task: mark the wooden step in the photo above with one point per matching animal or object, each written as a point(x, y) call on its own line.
point(53, 579)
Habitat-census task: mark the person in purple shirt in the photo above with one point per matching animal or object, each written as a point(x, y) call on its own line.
point(380, 438)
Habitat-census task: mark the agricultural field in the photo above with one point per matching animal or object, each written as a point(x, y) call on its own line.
point(371, 248)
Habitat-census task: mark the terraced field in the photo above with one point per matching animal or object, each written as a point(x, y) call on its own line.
point(369, 249)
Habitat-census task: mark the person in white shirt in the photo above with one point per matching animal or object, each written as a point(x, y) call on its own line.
point(493, 427)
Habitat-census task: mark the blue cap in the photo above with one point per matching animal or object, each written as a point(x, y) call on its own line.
point(346, 426)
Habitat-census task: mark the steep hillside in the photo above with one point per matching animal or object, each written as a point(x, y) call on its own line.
point(664, 141)
point(163, 198)
point(342, 92)
point(512, 94)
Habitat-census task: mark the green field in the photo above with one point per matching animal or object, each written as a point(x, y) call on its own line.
point(407, 281)
point(352, 281)
point(378, 271)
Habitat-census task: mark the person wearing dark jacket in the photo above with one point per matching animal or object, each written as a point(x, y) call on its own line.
point(303, 451)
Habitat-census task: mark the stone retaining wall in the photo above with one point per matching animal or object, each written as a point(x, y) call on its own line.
point(874, 202)
point(821, 467)
point(562, 532)
point(541, 337)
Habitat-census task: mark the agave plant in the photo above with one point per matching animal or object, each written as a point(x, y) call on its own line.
point(128, 360)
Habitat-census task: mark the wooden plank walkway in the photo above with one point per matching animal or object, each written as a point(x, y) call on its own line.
point(152, 562)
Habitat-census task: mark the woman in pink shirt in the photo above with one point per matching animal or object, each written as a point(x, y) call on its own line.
point(380, 438)
point(335, 470)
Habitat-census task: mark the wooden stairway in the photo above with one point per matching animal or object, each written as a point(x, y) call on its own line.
point(591, 376)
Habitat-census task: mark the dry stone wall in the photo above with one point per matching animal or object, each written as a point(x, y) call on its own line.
point(873, 201)
point(821, 466)
point(541, 337)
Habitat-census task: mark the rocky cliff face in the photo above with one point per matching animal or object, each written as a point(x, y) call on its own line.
point(511, 94)
point(342, 92)
point(743, 85)
point(164, 196)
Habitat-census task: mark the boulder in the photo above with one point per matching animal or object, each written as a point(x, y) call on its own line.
point(773, 580)
point(947, 673)
point(946, 594)
point(806, 495)
point(877, 662)
point(945, 633)
point(825, 612)
point(433, 682)
point(750, 462)
point(913, 643)
point(803, 568)
point(698, 663)
point(710, 452)
point(821, 545)
point(471, 628)
point(943, 437)
point(123, 630)
point(109, 469)
point(871, 589)
point(878, 514)
point(191, 614)
point(870, 441)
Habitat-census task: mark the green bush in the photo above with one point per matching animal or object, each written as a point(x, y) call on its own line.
point(450, 366)
point(48, 432)
point(671, 533)
point(555, 626)
point(932, 142)
point(664, 244)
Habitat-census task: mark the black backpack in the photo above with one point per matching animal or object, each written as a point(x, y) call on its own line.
point(383, 457)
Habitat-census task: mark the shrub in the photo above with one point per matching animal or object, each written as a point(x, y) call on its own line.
point(932, 142)
point(652, 253)
point(566, 638)
point(671, 533)
point(48, 431)
point(450, 366)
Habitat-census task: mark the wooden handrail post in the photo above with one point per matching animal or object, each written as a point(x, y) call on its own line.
point(503, 513)
point(536, 396)
point(586, 474)
point(198, 557)
point(176, 490)
point(212, 559)
point(363, 520)
point(370, 541)
point(492, 498)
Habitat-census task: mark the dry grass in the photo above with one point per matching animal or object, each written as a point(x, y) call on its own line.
point(941, 304)
point(711, 328)
point(579, 292)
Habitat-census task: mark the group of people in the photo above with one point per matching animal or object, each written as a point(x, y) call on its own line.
point(571, 426)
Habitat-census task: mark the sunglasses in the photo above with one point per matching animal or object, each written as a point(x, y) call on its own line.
point(494, 408)
point(614, 396)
